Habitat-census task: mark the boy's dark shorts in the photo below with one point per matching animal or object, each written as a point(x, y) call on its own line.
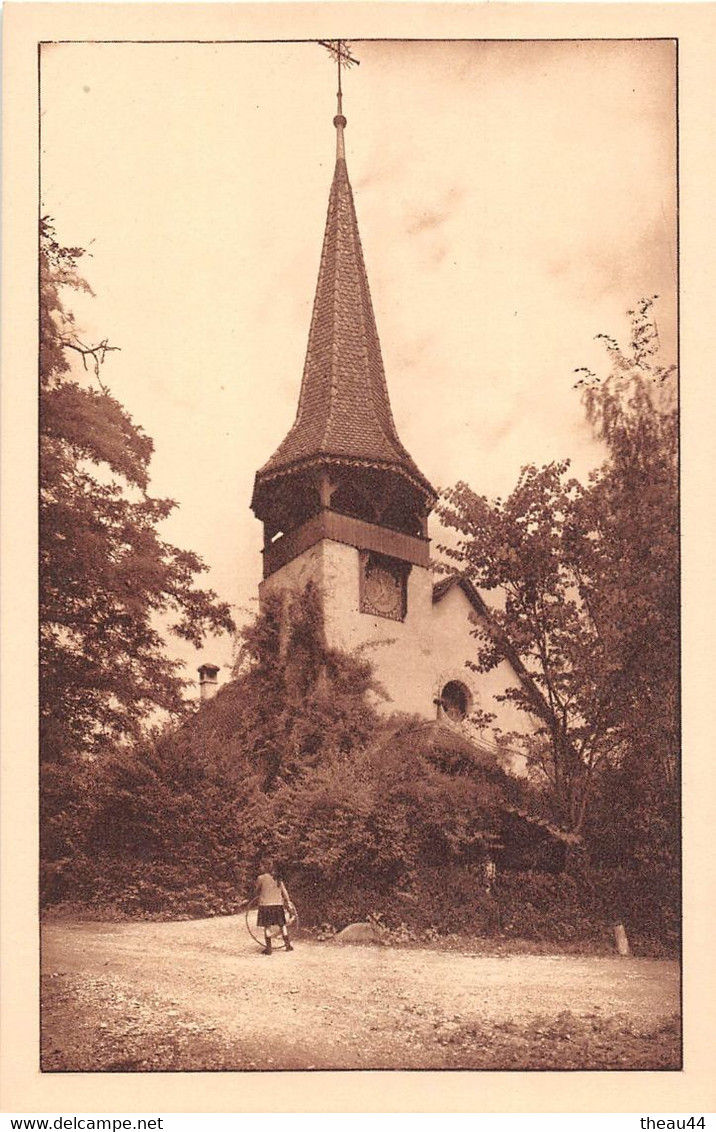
point(270, 914)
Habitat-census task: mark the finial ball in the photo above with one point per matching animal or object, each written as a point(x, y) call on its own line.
point(339, 120)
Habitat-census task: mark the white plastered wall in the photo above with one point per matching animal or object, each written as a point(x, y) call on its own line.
point(415, 658)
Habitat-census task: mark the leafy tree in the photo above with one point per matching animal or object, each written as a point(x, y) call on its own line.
point(108, 581)
point(525, 551)
point(632, 575)
point(633, 571)
point(585, 591)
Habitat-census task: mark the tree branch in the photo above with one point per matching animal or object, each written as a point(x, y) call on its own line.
point(97, 353)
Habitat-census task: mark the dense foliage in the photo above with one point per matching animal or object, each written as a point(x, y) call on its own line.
point(632, 576)
point(584, 585)
point(108, 581)
point(371, 823)
point(190, 791)
point(312, 776)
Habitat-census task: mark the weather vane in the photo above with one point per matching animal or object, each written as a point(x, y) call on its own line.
point(339, 49)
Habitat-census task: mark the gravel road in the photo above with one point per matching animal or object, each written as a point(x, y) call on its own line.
point(198, 995)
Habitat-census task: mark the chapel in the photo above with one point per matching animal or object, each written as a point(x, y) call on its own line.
point(345, 506)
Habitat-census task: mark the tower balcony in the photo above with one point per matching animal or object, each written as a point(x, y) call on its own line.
point(332, 525)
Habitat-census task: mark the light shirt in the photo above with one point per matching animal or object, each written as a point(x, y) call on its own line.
point(270, 891)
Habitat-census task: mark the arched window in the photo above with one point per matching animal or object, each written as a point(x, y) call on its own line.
point(455, 700)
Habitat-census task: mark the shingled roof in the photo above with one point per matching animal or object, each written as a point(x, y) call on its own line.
point(344, 413)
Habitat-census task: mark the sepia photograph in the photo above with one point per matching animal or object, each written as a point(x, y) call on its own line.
point(359, 560)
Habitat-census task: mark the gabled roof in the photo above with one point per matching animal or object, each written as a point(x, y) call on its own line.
point(344, 411)
point(540, 707)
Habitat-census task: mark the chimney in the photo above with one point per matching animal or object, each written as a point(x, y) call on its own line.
point(208, 684)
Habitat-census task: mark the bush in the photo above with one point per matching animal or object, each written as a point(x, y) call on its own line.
point(117, 888)
point(431, 903)
point(539, 907)
point(542, 906)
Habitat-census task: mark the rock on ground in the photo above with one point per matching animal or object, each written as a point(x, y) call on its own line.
point(358, 933)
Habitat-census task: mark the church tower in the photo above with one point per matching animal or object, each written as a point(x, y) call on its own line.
point(342, 502)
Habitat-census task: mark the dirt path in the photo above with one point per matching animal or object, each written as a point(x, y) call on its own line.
point(198, 995)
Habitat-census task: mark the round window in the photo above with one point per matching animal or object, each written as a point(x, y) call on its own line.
point(455, 700)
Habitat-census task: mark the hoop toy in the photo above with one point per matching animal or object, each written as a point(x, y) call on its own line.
point(274, 931)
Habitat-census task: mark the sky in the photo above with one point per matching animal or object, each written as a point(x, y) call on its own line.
point(514, 200)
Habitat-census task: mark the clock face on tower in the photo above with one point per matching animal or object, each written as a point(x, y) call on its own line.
point(383, 587)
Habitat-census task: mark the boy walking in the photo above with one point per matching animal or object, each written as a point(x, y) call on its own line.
point(274, 902)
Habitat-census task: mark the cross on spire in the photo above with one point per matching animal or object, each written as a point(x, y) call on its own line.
point(339, 49)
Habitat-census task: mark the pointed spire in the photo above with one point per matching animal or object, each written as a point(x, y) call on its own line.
point(344, 413)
